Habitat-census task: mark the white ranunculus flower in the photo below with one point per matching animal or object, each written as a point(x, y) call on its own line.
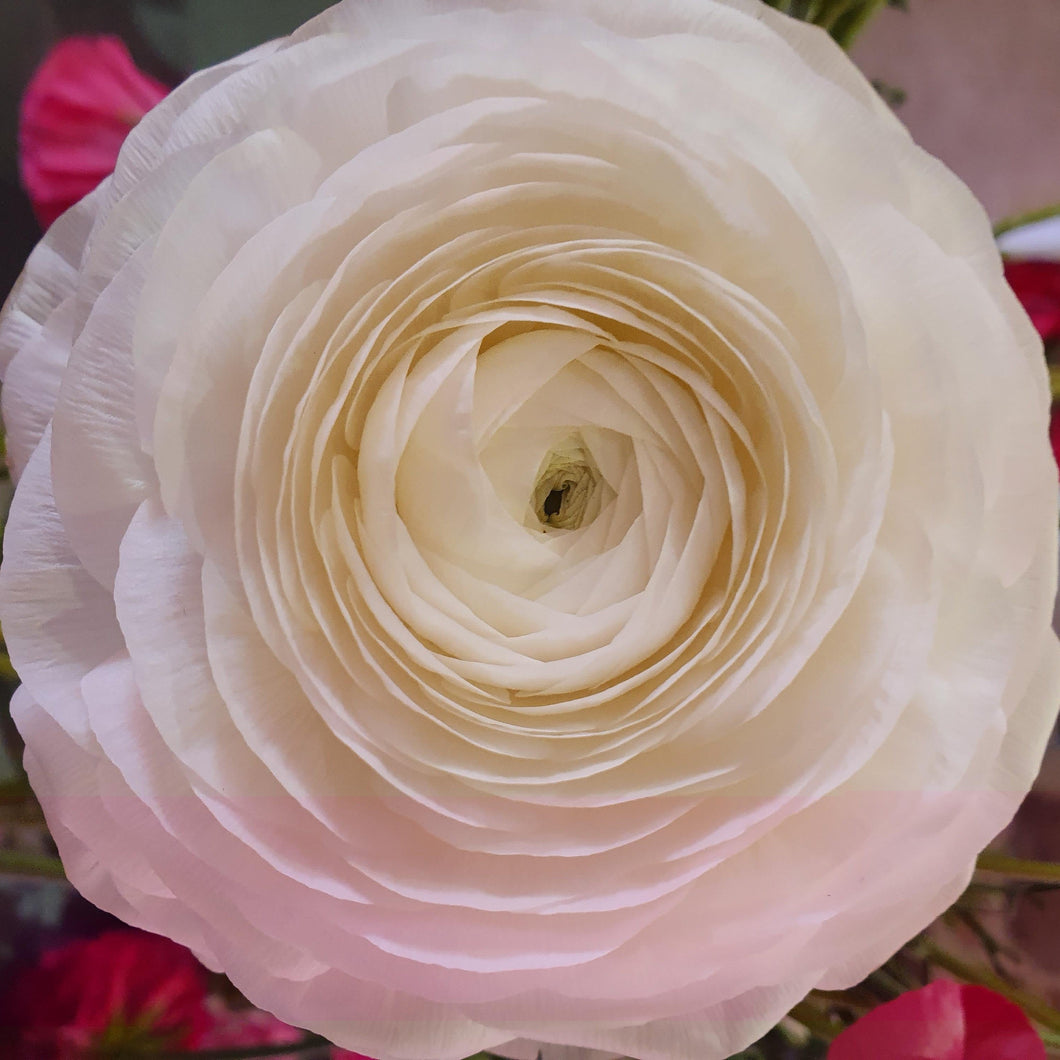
point(534, 521)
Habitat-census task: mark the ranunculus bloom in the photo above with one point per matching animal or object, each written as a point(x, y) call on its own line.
point(534, 522)
point(942, 1021)
point(76, 112)
point(122, 989)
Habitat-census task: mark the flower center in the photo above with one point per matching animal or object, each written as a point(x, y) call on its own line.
point(567, 490)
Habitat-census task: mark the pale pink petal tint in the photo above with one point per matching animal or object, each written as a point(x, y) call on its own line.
point(76, 112)
point(942, 1021)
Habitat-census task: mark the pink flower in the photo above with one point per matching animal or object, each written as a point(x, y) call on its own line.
point(76, 112)
point(250, 1026)
point(245, 1027)
point(1037, 286)
point(122, 988)
point(942, 1021)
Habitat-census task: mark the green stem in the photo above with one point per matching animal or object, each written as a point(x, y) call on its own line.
point(1037, 1009)
point(1021, 219)
point(847, 28)
point(1022, 869)
point(887, 983)
point(39, 866)
point(1054, 381)
point(833, 11)
point(16, 789)
point(815, 1021)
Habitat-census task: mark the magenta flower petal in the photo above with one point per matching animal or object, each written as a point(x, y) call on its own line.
point(1037, 285)
point(76, 112)
point(942, 1021)
point(125, 983)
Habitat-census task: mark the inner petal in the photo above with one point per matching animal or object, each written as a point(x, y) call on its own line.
point(569, 490)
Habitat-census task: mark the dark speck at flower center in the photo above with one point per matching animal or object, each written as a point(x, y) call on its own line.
point(554, 501)
point(567, 493)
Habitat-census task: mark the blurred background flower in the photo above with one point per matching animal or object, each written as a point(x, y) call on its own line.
point(127, 993)
point(124, 990)
point(941, 1021)
point(1037, 285)
point(245, 1028)
point(76, 112)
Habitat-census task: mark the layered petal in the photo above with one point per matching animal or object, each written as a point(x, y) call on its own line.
point(554, 539)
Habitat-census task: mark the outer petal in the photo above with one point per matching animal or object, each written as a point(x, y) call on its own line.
point(48, 280)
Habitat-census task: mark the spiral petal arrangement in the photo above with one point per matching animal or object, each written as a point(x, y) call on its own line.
point(534, 522)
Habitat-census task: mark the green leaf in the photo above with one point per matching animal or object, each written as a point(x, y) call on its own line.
point(37, 866)
point(843, 19)
point(847, 28)
point(1023, 869)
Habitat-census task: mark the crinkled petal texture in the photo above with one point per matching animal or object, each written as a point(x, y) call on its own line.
point(535, 522)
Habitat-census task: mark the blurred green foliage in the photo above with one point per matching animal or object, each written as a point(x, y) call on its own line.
point(843, 19)
point(191, 34)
